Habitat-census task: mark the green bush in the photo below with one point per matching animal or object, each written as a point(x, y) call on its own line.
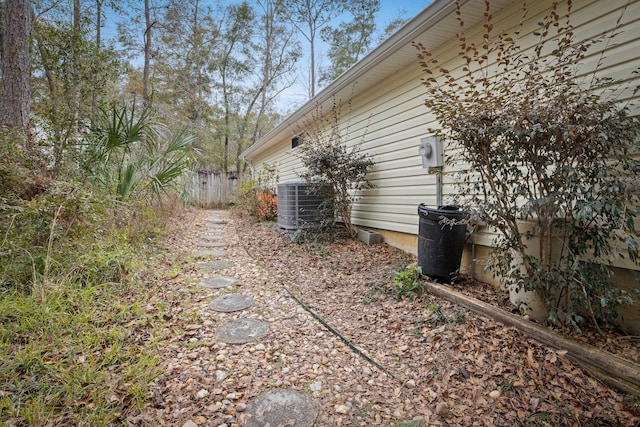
point(21, 171)
point(130, 155)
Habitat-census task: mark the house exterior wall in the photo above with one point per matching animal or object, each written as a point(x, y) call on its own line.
point(388, 119)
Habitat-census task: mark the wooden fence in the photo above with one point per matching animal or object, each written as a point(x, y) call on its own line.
point(213, 189)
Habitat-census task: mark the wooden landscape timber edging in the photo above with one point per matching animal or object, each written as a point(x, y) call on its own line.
point(612, 370)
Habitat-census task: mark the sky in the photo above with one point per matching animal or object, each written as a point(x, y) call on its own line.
point(389, 8)
point(297, 95)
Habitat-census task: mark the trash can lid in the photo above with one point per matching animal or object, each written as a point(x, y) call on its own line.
point(447, 211)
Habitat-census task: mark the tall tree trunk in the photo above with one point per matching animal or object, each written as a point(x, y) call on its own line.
point(99, 23)
point(146, 93)
point(54, 95)
point(77, 39)
point(16, 66)
point(94, 96)
point(199, 87)
point(312, 74)
point(1, 32)
point(227, 123)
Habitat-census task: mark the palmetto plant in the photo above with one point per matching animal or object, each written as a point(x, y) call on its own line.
point(129, 154)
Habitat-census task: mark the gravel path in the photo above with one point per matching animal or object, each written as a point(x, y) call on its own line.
point(396, 362)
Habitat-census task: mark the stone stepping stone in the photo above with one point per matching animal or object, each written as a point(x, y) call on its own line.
point(211, 237)
point(213, 252)
point(218, 282)
point(231, 302)
point(216, 265)
point(211, 244)
point(240, 331)
point(217, 220)
point(280, 408)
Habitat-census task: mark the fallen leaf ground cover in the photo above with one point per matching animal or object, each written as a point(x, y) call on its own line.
point(435, 363)
point(464, 367)
point(612, 338)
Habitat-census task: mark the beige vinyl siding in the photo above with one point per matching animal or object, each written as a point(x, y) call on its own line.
point(283, 158)
point(398, 171)
point(397, 120)
point(389, 118)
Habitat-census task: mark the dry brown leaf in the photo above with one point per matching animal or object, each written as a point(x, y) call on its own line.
point(530, 359)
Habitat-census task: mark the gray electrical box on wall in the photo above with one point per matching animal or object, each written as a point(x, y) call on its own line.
point(431, 152)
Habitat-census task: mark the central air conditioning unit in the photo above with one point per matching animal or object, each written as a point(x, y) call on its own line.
point(301, 206)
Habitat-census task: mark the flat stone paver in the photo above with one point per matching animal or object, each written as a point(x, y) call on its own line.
point(281, 408)
point(211, 244)
point(213, 252)
point(218, 282)
point(231, 302)
point(216, 265)
point(211, 237)
point(240, 331)
point(275, 408)
point(216, 220)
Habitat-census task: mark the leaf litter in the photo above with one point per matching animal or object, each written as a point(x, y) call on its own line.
point(451, 366)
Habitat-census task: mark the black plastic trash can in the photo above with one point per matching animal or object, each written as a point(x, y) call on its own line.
point(440, 245)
